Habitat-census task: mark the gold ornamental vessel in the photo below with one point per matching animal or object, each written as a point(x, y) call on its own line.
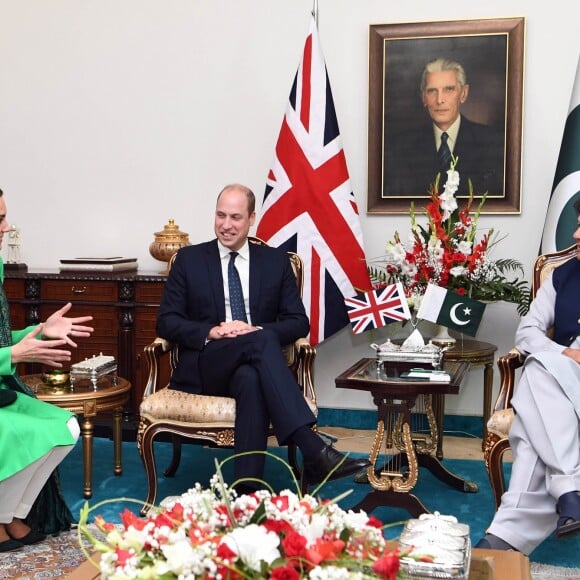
point(167, 242)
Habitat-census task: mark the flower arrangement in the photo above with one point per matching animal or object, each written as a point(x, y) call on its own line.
point(214, 533)
point(446, 252)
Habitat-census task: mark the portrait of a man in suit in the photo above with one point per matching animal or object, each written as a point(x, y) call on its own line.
point(416, 154)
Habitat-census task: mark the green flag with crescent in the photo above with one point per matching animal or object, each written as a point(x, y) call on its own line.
point(561, 218)
point(455, 311)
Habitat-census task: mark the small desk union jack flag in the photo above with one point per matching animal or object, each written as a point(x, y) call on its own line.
point(377, 308)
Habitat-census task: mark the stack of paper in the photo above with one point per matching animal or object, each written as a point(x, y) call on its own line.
point(112, 264)
point(427, 375)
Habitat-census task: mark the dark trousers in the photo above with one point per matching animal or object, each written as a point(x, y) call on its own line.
point(252, 369)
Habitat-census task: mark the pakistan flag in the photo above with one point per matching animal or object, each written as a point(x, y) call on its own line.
point(561, 219)
point(450, 309)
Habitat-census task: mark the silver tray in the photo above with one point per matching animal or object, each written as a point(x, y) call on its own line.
point(391, 352)
point(441, 537)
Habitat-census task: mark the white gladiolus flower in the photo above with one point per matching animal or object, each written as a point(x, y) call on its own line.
point(395, 254)
point(452, 183)
point(458, 271)
point(464, 247)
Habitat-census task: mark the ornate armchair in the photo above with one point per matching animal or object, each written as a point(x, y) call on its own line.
point(207, 420)
point(496, 442)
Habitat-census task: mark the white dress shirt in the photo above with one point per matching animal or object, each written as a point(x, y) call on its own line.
point(242, 264)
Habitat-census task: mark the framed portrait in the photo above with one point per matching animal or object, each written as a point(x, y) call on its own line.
point(403, 138)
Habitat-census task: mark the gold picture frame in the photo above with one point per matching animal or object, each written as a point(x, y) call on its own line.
point(492, 54)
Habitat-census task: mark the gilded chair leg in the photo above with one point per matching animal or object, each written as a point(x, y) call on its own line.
point(148, 457)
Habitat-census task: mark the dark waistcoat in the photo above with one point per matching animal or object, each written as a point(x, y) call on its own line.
point(566, 281)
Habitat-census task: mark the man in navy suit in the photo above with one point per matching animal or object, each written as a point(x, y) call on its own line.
point(222, 354)
point(413, 158)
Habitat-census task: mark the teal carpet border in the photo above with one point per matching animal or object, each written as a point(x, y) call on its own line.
point(198, 464)
point(457, 425)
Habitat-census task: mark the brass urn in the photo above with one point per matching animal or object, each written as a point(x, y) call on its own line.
point(167, 242)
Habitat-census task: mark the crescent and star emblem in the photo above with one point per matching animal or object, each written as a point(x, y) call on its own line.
point(454, 317)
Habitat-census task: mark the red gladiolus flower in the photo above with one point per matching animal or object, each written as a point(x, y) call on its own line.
point(324, 550)
point(130, 519)
point(103, 525)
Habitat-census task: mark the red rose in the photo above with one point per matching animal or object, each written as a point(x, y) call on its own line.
point(284, 573)
point(294, 544)
point(388, 565)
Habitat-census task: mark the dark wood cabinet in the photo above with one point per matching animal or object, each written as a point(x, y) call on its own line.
point(123, 305)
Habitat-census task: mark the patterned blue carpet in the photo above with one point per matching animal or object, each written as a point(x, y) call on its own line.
point(198, 464)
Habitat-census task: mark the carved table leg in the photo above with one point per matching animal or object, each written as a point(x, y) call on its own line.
point(117, 440)
point(87, 431)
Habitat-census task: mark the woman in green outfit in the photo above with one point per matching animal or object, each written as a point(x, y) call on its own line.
point(34, 436)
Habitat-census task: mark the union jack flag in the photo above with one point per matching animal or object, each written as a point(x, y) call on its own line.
point(377, 308)
point(309, 206)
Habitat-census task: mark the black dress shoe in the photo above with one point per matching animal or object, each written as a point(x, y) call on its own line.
point(329, 464)
point(30, 538)
point(247, 488)
point(568, 507)
point(10, 545)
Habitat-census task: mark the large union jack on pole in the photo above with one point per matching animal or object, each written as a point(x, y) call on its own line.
point(309, 206)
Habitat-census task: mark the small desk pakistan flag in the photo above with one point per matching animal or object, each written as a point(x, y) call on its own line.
point(450, 309)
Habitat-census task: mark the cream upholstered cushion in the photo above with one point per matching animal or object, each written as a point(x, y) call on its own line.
point(192, 408)
point(189, 408)
point(500, 422)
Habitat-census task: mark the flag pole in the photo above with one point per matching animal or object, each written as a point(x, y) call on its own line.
point(315, 12)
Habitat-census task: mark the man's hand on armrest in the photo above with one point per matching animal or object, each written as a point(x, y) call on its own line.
point(573, 353)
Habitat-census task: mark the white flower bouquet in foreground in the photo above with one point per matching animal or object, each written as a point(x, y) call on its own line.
point(214, 533)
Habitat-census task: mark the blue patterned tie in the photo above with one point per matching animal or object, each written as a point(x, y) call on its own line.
point(444, 153)
point(236, 295)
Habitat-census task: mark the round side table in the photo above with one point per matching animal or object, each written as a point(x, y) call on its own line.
point(87, 402)
point(475, 352)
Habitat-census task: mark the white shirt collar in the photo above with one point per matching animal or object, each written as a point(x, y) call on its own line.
point(244, 251)
point(451, 132)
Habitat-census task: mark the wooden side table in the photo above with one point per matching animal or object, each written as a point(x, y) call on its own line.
point(404, 452)
point(476, 353)
point(87, 403)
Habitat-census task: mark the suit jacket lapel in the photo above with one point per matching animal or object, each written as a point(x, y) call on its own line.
point(216, 282)
point(255, 282)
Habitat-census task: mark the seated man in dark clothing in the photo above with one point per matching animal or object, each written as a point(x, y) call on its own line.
point(230, 306)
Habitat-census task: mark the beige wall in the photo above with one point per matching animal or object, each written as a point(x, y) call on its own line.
point(116, 115)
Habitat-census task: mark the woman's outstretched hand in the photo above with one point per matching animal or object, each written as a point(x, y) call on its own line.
point(60, 327)
point(32, 350)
